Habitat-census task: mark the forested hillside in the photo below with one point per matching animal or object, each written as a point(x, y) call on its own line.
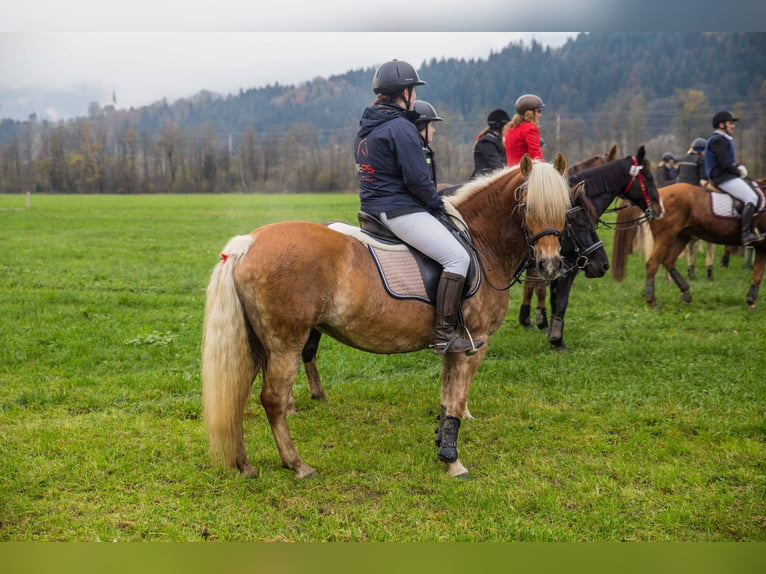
point(658, 89)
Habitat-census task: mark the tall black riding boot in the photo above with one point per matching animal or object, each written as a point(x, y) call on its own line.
point(449, 293)
point(748, 235)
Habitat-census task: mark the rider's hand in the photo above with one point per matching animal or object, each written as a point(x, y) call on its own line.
point(742, 171)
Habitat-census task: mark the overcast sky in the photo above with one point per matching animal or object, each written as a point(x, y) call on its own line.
point(141, 68)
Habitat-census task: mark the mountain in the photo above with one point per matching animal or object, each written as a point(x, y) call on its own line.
point(599, 88)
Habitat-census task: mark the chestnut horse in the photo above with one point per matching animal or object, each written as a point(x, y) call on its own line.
point(629, 178)
point(689, 215)
point(581, 248)
point(274, 285)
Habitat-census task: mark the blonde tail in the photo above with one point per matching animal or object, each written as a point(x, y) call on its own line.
point(227, 369)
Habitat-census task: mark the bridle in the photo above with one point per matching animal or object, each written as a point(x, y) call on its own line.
point(582, 253)
point(648, 211)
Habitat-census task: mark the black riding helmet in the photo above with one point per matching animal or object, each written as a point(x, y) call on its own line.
point(498, 118)
point(393, 77)
point(723, 116)
point(427, 114)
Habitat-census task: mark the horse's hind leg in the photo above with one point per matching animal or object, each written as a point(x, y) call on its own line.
point(674, 249)
point(309, 358)
point(756, 277)
point(278, 379)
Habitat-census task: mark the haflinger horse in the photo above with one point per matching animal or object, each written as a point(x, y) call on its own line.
point(692, 211)
point(581, 248)
point(274, 285)
point(533, 285)
point(629, 178)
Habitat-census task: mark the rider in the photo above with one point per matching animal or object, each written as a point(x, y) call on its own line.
point(395, 185)
point(489, 150)
point(724, 171)
point(667, 173)
point(691, 169)
point(522, 133)
point(426, 128)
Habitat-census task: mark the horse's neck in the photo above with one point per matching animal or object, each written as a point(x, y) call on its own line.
point(601, 193)
point(497, 233)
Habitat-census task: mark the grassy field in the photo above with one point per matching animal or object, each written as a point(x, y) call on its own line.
point(651, 428)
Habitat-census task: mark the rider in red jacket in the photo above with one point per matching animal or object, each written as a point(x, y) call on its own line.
point(522, 133)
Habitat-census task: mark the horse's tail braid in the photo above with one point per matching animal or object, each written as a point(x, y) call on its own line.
point(227, 361)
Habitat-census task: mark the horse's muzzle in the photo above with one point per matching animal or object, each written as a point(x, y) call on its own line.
point(551, 267)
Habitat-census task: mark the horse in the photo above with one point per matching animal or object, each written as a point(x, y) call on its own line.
point(533, 285)
point(274, 285)
point(690, 213)
point(629, 177)
point(581, 248)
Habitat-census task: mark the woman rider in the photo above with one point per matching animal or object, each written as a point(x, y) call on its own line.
point(522, 133)
point(489, 150)
point(395, 185)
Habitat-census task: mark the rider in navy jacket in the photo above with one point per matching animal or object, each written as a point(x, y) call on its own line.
point(396, 184)
point(389, 158)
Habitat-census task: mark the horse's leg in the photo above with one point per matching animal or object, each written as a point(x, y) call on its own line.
point(458, 371)
point(710, 259)
point(756, 277)
point(541, 317)
point(560, 289)
point(669, 262)
point(727, 251)
point(526, 302)
point(652, 266)
point(689, 253)
point(309, 358)
point(278, 379)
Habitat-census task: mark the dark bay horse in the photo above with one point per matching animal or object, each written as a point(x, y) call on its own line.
point(274, 285)
point(629, 178)
point(533, 285)
point(689, 215)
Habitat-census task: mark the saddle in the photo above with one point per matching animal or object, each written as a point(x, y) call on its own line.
point(725, 206)
point(407, 273)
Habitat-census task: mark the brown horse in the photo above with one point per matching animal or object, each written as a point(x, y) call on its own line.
point(274, 285)
point(533, 285)
point(688, 214)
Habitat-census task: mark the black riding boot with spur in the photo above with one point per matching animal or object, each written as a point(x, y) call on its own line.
point(448, 296)
point(748, 235)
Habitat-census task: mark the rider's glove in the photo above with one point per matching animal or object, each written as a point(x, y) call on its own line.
point(742, 171)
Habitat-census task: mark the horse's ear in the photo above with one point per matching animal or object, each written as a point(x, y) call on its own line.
point(560, 163)
point(613, 152)
point(641, 155)
point(526, 165)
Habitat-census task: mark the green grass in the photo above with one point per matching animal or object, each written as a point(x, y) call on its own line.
point(651, 428)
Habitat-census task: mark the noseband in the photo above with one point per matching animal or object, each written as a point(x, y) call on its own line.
point(582, 253)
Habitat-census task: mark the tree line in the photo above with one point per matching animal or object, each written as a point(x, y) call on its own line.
point(655, 89)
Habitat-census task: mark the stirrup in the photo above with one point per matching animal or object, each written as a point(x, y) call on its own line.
point(752, 237)
point(444, 347)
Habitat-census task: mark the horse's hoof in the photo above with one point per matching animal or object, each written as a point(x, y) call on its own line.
point(463, 475)
point(305, 471)
point(686, 297)
point(249, 472)
point(561, 348)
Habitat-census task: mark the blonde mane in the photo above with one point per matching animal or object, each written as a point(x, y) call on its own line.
point(548, 196)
